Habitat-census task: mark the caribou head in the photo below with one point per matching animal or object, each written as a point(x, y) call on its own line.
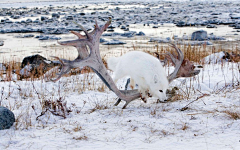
point(93, 60)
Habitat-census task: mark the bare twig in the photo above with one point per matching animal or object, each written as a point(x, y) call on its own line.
point(186, 107)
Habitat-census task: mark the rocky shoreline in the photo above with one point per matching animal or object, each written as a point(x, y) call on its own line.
point(55, 20)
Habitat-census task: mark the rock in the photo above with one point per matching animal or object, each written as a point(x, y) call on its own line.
point(111, 27)
point(55, 15)
point(140, 33)
point(237, 26)
point(25, 36)
point(69, 17)
point(7, 118)
point(44, 18)
point(123, 27)
point(1, 43)
point(114, 42)
point(35, 65)
point(211, 26)
point(160, 40)
point(81, 14)
point(200, 35)
point(128, 34)
point(45, 37)
point(235, 16)
point(181, 24)
point(102, 40)
point(110, 30)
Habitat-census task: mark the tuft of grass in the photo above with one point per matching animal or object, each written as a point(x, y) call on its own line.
point(232, 114)
point(81, 138)
point(184, 126)
point(98, 107)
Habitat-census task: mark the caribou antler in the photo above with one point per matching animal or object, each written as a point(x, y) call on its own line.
point(94, 61)
point(186, 68)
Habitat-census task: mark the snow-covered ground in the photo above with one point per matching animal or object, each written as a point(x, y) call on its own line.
point(94, 123)
point(203, 115)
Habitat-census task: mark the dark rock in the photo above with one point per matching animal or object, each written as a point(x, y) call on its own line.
point(55, 15)
point(111, 34)
point(25, 36)
point(114, 42)
point(181, 24)
point(123, 27)
point(44, 18)
point(216, 13)
point(81, 14)
point(102, 40)
point(7, 118)
point(128, 34)
point(54, 38)
point(1, 43)
point(110, 30)
point(140, 33)
point(211, 26)
point(111, 27)
point(43, 37)
point(235, 16)
point(69, 18)
point(237, 26)
point(15, 17)
point(35, 65)
point(200, 35)
point(29, 21)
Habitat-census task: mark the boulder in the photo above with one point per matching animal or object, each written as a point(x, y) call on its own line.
point(7, 118)
point(199, 35)
point(1, 43)
point(140, 33)
point(36, 66)
point(55, 15)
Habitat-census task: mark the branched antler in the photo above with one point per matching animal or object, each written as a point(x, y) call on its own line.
point(185, 69)
point(93, 60)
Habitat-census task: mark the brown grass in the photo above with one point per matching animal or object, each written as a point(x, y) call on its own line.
point(232, 114)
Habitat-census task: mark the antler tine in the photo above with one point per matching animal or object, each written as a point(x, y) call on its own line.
point(96, 24)
point(65, 69)
point(106, 25)
point(180, 54)
point(84, 30)
point(171, 57)
point(80, 36)
point(178, 62)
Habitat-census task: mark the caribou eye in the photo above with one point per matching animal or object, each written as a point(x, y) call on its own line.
point(161, 91)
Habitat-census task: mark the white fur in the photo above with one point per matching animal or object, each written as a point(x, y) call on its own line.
point(144, 69)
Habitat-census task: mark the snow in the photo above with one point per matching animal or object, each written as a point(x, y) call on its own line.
point(95, 123)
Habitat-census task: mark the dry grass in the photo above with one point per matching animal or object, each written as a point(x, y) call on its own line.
point(232, 114)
